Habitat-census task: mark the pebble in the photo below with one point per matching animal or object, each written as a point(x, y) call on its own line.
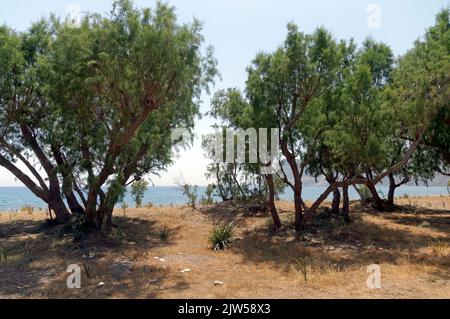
point(218, 283)
point(185, 270)
point(100, 284)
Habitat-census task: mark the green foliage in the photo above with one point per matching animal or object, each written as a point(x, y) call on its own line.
point(221, 237)
point(421, 89)
point(232, 181)
point(364, 192)
point(100, 101)
point(138, 190)
point(191, 192)
point(208, 197)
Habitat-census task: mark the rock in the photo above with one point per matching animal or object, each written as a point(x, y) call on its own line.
point(218, 283)
point(424, 224)
point(131, 243)
point(100, 284)
point(185, 270)
point(162, 260)
point(121, 268)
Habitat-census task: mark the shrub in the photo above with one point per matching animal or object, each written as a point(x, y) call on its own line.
point(164, 233)
point(190, 191)
point(207, 198)
point(138, 190)
point(439, 248)
point(221, 237)
point(364, 193)
point(27, 209)
point(303, 266)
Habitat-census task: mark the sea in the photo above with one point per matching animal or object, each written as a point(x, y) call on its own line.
point(14, 198)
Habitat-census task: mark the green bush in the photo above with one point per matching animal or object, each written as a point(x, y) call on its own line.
point(190, 191)
point(208, 198)
point(364, 192)
point(138, 190)
point(221, 237)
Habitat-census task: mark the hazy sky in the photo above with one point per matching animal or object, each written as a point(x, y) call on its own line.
point(238, 29)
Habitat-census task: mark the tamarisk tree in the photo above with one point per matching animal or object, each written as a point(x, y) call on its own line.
point(95, 104)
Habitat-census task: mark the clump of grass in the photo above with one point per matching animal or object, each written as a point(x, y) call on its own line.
point(149, 205)
point(221, 237)
point(405, 196)
point(164, 234)
point(3, 254)
point(439, 248)
point(303, 266)
point(27, 248)
point(88, 270)
point(27, 209)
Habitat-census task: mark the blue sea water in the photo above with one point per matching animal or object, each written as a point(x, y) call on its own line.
point(13, 198)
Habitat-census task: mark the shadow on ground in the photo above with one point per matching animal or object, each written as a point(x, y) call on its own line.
point(36, 257)
point(329, 242)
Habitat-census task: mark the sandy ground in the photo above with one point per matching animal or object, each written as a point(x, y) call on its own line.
point(329, 260)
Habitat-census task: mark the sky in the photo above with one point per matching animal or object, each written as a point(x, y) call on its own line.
point(239, 29)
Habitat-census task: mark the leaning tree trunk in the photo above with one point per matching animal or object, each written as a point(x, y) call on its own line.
point(271, 201)
point(379, 204)
point(345, 204)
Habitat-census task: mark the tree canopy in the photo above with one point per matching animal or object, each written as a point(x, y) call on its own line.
point(95, 104)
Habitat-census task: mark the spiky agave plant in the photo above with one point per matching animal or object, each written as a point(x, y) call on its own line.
point(221, 237)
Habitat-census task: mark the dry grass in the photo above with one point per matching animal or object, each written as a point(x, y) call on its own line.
point(328, 261)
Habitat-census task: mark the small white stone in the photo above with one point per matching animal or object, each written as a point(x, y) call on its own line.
point(185, 270)
point(218, 283)
point(100, 284)
point(162, 260)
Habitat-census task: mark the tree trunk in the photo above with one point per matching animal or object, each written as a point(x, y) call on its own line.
point(379, 205)
point(345, 204)
point(298, 223)
point(336, 201)
point(57, 205)
point(391, 193)
point(297, 186)
point(271, 201)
